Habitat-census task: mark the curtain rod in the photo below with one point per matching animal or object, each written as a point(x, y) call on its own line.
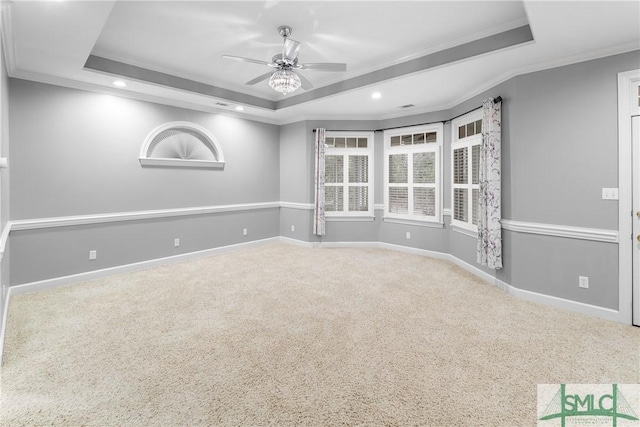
point(495, 100)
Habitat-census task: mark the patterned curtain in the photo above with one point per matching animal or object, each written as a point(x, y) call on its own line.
point(318, 211)
point(489, 215)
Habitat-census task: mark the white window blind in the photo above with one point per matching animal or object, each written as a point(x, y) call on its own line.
point(412, 173)
point(348, 171)
point(465, 163)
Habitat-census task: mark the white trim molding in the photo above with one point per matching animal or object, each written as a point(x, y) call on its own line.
point(408, 151)
point(337, 146)
point(66, 221)
point(548, 300)
point(350, 218)
point(595, 234)
point(210, 142)
point(3, 326)
point(625, 200)
point(4, 238)
point(464, 231)
point(8, 46)
point(564, 304)
point(180, 163)
point(413, 222)
point(295, 205)
point(97, 274)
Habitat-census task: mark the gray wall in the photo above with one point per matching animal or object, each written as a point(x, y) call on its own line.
point(297, 163)
point(294, 172)
point(62, 251)
point(559, 149)
point(296, 181)
point(76, 153)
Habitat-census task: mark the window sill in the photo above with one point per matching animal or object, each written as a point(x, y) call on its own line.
point(181, 163)
point(464, 231)
point(429, 224)
point(349, 218)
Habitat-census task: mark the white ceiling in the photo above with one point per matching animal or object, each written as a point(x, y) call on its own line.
point(50, 41)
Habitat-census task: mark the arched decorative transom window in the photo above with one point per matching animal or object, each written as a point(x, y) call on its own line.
point(181, 144)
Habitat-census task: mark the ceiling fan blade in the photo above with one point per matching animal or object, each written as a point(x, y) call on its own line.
point(290, 49)
point(306, 84)
point(324, 66)
point(253, 61)
point(259, 78)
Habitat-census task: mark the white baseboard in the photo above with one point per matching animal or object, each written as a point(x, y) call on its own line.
point(548, 300)
point(588, 309)
point(349, 245)
point(297, 242)
point(3, 327)
point(565, 304)
point(416, 251)
point(96, 274)
point(143, 265)
point(481, 274)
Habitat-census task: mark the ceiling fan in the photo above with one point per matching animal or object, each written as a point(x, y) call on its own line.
point(285, 78)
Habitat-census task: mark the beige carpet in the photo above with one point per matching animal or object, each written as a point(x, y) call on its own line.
point(282, 335)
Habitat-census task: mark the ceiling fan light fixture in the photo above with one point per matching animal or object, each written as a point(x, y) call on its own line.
point(285, 81)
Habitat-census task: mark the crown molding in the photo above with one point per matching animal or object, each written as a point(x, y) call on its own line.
point(556, 63)
point(137, 96)
point(9, 48)
point(8, 45)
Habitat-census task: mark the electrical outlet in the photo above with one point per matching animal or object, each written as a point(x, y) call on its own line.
point(176, 242)
point(609, 194)
point(93, 255)
point(293, 228)
point(583, 282)
point(244, 232)
point(408, 235)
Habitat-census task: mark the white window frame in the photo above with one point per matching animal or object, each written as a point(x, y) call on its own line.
point(146, 159)
point(467, 142)
point(435, 147)
point(346, 152)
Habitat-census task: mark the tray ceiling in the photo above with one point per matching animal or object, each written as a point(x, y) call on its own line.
point(427, 53)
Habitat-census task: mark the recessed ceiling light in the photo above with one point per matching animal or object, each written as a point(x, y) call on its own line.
point(376, 95)
point(119, 83)
point(240, 108)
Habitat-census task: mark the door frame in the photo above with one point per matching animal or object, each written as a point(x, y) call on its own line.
point(635, 225)
point(626, 80)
